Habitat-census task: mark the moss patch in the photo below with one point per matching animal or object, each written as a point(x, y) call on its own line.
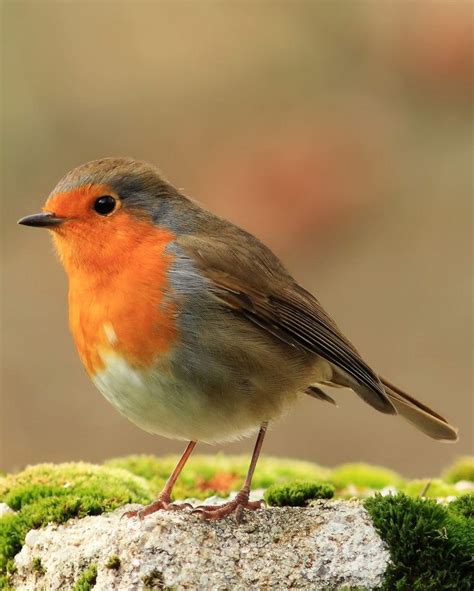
point(113, 562)
point(38, 566)
point(431, 546)
point(4, 583)
point(430, 488)
point(463, 506)
point(364, 476)
point(204, 476)
point(462, 469)
point(297, 494)
point(87, 580)
point(55, 493)
point(109, 485)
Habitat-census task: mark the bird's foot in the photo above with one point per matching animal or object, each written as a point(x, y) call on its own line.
point(162, 503)
point(236, 506)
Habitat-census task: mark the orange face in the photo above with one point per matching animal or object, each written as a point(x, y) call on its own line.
point(117, 264)
point(86, 237)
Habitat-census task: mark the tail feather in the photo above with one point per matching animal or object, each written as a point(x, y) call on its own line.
point(419, 415)
point(316, 392)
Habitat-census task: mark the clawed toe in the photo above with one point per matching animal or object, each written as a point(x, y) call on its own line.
point(206, 512)
point(236, 506)
point(158, 505)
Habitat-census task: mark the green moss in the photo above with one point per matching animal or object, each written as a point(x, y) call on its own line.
point(297, 494)
point(148, 467)
point(204, 475)
point(5, 579)
point(364, 476)
point(38, 566)
point(111, 486)
point(54, 493)
point(431, 488)
point(87, 580)
point(462, 469)
point(463, 505)
point(113, 562)
point(431, 547)
point(5, 584)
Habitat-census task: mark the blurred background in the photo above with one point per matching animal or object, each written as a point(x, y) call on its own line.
point(340, 133)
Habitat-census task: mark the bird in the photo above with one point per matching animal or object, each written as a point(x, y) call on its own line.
point(190, 326)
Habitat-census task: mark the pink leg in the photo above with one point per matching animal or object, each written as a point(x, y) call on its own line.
point(163, 501)
point(241, 501)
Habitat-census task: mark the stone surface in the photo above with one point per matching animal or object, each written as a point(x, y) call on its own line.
point(326, 546)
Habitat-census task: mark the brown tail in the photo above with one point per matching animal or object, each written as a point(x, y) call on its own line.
point(419, 415)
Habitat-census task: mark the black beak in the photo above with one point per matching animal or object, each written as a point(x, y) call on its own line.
point(42, 220)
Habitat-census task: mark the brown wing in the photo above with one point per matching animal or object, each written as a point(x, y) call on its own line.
point(258, 288)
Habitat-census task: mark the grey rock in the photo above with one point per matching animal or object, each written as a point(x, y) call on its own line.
point(327, 546)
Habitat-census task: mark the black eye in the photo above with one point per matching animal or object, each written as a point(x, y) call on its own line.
point(104, 205)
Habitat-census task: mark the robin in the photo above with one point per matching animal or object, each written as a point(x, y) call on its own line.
point(190, 326)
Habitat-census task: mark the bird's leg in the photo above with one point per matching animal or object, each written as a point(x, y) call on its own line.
point(163, 501)
point(241, 501)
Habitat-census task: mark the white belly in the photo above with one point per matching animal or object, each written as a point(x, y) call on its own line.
point(156, 403)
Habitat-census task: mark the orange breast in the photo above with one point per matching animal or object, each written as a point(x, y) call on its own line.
point(122, 304)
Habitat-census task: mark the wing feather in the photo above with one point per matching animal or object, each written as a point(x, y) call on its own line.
point(260, 290)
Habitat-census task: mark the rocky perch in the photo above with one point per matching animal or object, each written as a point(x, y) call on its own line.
point(330, 545)
point(352, 527)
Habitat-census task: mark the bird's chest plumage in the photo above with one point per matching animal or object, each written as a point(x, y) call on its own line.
point(124, 310)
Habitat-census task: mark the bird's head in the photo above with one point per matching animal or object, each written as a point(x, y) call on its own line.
point(103, 207)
